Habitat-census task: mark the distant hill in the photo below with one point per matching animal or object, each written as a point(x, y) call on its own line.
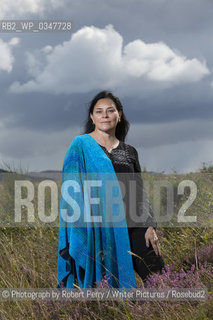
point(47, 174)
point(55, 175)
point(41, 175)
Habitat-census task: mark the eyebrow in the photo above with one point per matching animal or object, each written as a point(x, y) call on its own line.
point(107, 108)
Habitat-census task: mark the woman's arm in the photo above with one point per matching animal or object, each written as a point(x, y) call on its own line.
point(151, 224)
point(143, 203)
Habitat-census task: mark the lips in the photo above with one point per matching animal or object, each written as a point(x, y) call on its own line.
point(105, 122)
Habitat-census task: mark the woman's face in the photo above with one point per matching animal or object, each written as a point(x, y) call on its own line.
point(105, 115)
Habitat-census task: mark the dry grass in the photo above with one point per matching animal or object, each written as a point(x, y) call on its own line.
point(28, 259)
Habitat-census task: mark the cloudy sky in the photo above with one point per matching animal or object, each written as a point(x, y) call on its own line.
point(156, 55)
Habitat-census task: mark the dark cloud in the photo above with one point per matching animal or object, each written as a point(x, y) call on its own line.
point(193, 101)
point(43, 112)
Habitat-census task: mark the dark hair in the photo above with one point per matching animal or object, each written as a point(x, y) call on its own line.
point(122, 127)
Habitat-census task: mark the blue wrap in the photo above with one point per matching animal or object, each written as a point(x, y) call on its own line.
point(89, 250)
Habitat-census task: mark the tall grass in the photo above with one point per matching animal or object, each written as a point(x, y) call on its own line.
point(28, 259)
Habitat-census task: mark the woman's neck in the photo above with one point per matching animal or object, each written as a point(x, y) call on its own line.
point(107, 140)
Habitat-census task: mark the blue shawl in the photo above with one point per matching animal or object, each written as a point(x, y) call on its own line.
point(90, 250)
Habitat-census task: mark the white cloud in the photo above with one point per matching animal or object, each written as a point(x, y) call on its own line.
point(6, 57)
point(95, 59)
point(11, 9)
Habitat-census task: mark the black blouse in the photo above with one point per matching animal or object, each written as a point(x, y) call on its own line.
point(127, 168)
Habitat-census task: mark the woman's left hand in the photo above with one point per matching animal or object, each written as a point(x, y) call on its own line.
point(151, 235)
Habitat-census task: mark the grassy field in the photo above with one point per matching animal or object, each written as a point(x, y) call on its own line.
point(28, 259)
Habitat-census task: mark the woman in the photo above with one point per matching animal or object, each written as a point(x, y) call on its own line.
point(101, 247)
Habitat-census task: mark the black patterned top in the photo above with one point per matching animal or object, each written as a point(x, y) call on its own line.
point(127, 168)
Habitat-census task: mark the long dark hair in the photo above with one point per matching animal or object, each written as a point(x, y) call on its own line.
point(122, 127)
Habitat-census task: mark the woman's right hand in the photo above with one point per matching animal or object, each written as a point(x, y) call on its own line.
point(151, 236)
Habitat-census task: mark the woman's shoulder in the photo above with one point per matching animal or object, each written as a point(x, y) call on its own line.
point(74, 146)
point(77, 140)
point(82, 142)
point(130, 148)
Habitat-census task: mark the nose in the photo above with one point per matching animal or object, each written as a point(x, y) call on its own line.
point(105, 113)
